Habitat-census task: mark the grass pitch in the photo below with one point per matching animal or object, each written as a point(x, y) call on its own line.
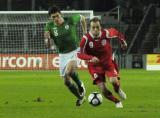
point(38, 94)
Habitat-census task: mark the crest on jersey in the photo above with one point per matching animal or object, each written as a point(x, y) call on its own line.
point(66, 27)
point(103, 42)
point(91, 44)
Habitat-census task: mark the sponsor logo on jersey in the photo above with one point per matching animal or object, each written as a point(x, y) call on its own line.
point(91, 44)
point(103, 42)
point(66, 27)
point(54, 28)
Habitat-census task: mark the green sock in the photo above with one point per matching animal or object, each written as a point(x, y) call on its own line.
point(74, 90)
point(76, 79)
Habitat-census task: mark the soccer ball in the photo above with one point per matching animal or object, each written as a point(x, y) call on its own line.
point(95, 98)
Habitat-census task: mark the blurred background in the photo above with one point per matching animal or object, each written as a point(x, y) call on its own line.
point(139, 20)
point(96, 5)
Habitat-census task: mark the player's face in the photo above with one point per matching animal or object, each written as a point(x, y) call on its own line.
point(57, 18)
point(95, 28)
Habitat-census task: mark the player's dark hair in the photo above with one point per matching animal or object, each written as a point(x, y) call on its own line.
point(53, 9)
point(95, 19)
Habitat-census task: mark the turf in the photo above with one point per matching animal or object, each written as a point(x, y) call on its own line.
point(38, 94)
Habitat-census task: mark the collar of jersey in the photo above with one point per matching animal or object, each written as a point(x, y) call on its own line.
point(59, 25)
point(94, 37)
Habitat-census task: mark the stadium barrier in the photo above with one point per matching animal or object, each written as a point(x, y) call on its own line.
point(153, 62)
point(32, 62)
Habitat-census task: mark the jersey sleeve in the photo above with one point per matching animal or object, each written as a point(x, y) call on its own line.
point(82, 53)
point(47, 28)
point(113, 33)
point(75, 19)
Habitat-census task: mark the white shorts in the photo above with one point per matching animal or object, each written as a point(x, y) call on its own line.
point(66, 58)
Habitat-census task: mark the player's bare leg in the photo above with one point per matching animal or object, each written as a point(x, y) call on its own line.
point(71, 73)
point(107, 94)
point(116, 84)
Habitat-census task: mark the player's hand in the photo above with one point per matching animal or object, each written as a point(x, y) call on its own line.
point(124, 45)
point(47, 39)
point(53, 48)
point(94, 60)
point(47, 43)
point(47, 35)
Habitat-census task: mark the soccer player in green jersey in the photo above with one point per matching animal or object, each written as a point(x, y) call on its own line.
point(63, 33)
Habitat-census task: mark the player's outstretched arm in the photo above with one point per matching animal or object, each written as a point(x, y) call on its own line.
point(48, 41)
point(84, 24)
point(114, 33)
point(82, 53)
point(124, 45)
point(94, 60)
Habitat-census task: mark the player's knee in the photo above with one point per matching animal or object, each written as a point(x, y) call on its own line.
point(73, 63)
point(113, 80)
point(104, 91)
point(69, 73)
point(66, 75)
point(71, 67)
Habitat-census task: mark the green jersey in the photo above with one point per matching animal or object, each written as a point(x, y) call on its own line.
point(65, 36)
